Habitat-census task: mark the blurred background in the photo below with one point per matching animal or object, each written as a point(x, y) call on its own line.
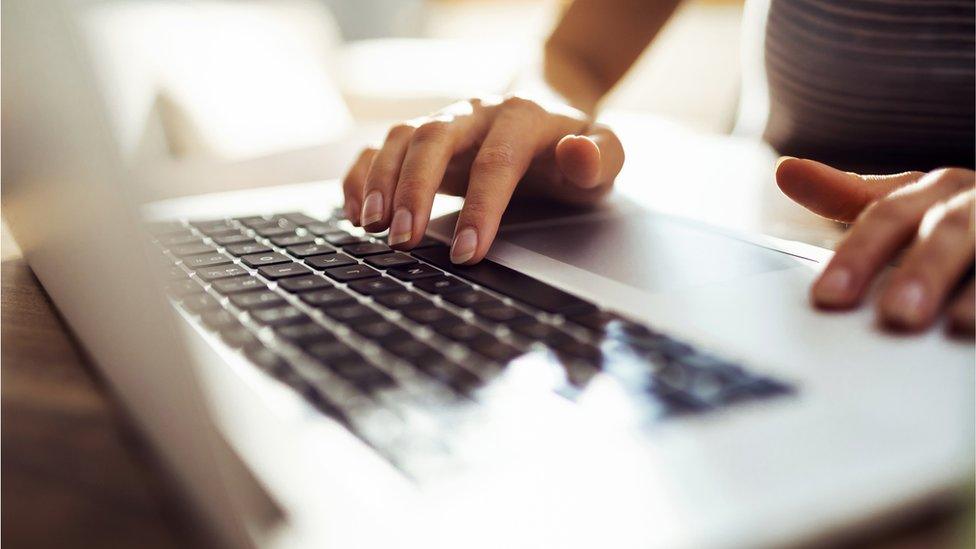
point(219, 83)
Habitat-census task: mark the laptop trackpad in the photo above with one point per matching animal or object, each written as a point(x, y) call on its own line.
point(650, 252)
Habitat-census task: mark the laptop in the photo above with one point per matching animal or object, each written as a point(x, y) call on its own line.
point(608, 377)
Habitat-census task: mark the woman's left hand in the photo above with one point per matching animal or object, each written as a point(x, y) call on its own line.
point(929, 215)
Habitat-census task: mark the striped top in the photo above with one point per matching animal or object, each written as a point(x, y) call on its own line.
point(880, 85)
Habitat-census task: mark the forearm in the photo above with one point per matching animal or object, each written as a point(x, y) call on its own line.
point(594, 45)
point(572, 80)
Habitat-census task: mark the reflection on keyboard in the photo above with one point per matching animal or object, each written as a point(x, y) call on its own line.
point(357, 328)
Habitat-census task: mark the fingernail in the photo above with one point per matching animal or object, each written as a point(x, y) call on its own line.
point(907, 302)
point(352, 212)
point(401, 228)
point(834, 287)
point(464, 246)
point(372, 208)
point(783, 159)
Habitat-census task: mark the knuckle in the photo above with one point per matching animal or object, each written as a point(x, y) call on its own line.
point(399, 131)
point(521, 106)
point(957, 221)
point(431, 131)
point(886, 210)
point(953, 179)
point(494, 157)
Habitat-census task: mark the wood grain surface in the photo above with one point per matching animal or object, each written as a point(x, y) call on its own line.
point(74, 471)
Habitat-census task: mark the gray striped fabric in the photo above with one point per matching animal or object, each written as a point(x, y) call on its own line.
point(873, 85)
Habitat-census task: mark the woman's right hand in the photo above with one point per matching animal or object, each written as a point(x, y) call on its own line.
point(485, 150)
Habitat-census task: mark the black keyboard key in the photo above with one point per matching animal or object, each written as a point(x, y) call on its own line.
point(428, 242)
point(430, 315)
point(279, 316)
point(352, 314)
point(239, 337)
point(305, 334)
point(441, 285)
point(183, 287)
point(192, 249)
point(403, 300)
point(209, 225)
point(275, 272)
point(302, 251)
point(493, 349)
point(205, 260)
point(253, 221)
point(414, 272)
point(375, 286)
point(266, 359)
point(221, 271)
point(219, 320)
point(389, 261)
point(320, 262)
point(342, 238)
point(199, 303)
point(352, 272)
point(471, 298)
point(230, 239)
point(381, 330)
point(331, 351)
point(500, 313)
point(260, 299)
point(305, 283)
point(239, 284)
point(248, 248)
point(411, 350)
point(542, 332)
point(585, 352)
point(362, 374)
point(597, 321)
point(508, 282)
point(367, 248)
point(450, 374)
point(298, 218)
point(271, 258)
point(222, 231)
point(274, 230)
point(460, 331)
point(333, 297)
point(292, 240)
point(284, 222)
point(320, 228)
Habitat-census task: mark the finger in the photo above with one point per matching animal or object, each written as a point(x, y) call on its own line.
point(353, 183)
point(879, 233)
point(832, 193)
point(431, 149)
point(590, 160)
point(932, 267)
point(509, 146)
point(382, 177)
point(962, 311)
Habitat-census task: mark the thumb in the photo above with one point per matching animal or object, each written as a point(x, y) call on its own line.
point(591, 160)
point(832, 193)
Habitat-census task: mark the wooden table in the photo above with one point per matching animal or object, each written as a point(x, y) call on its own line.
point(74, 471)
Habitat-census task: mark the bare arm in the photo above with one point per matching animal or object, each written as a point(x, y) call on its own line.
point(595, 44)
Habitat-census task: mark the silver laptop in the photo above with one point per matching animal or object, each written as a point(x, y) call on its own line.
point(609, 378)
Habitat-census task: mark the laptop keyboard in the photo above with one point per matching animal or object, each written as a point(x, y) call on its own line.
point(359, 329)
